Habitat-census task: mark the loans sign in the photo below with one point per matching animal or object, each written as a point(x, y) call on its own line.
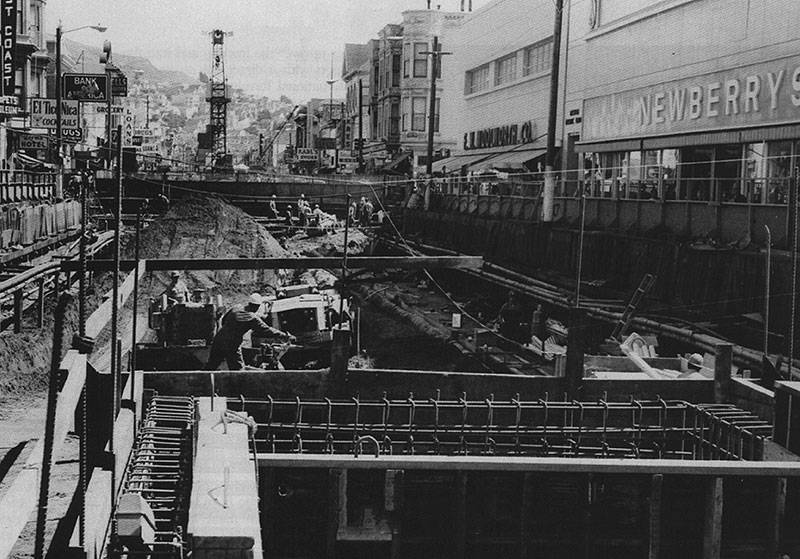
point(756, 94)
point(8, 43)
point(43, 113)
point(90, 88)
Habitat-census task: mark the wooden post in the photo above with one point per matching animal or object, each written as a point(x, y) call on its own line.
point(332, 525)
point(397, 515)
point(712, 525)
point(340, 354)
point(575, 339)
point(524, 511)
point(722, 372)
point(460, 530)
point(40, 304)
point(18, 311)
point(656, 484)
point(776, 517)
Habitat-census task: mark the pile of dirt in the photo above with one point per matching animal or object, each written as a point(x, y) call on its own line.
point(26, 356)
point(207, 227)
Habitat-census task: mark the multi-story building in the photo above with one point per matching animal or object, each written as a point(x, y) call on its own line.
point(356, 78)
point(497, 100)
point(31, 61)
point(419, 28)
point(400, 78)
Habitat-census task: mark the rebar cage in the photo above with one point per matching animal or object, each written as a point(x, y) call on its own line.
point(670, 429)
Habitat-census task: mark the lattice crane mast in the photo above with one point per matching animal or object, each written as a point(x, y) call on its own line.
point(215, 139)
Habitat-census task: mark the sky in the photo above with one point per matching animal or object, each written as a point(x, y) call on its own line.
point(277, 47)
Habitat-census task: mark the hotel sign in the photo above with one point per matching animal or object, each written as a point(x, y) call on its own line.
point(8, 43)
point(758, 94)
point(509, 135)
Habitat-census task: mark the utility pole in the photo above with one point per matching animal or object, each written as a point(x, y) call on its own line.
point(435, 53)
point(105, 58)
point(147, 122)
point(360, 125)
point(59, 162)
point(550, 158)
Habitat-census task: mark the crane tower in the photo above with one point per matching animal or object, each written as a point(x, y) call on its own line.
point(215, 139)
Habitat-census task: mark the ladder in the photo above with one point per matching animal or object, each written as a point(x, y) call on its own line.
point(627, 315)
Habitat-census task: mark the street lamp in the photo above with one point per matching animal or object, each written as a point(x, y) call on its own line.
point(59, 33)
point(82, 280)
point(82, 247)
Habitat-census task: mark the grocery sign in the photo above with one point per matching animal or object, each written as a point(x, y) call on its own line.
point(43, 113)
point(90, 88)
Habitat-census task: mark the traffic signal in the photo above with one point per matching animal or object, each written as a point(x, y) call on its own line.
point(105, 57)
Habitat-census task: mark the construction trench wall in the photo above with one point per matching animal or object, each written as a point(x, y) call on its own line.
point(717, 282)
point(26, 223)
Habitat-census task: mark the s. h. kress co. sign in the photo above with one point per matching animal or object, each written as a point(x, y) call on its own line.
point(508, 135)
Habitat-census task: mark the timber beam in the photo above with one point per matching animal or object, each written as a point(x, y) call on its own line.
point(375, 263)
point(710, 469)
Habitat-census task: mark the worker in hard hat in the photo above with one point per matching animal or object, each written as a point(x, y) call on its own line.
point(176, 291)
point(273, 207)
point(227, 344)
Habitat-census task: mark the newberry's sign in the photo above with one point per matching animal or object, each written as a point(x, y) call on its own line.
point(757, 94)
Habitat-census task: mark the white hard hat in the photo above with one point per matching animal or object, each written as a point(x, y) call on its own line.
point(255, 299)
point(696, 359)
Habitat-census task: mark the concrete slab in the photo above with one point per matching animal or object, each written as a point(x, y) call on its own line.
point(223, 514)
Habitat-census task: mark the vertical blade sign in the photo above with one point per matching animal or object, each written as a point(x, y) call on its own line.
point(8, 34)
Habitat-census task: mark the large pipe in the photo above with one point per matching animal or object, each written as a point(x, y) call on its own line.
point(706, 342)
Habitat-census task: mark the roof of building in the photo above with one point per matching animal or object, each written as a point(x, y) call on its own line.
point(355, 55)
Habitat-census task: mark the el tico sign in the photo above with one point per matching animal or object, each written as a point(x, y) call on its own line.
point(508, 135)
point(758, 94)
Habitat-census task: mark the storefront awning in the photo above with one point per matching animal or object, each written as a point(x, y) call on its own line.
point(510, 160)
point(31, 162)
point(610, 145)
point(458, 162)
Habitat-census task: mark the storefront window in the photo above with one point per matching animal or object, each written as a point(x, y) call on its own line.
point(651, 169)
point(632, 167)
point(592, 174)
point(754, 172)
point(696, 173)
point(779, 171)
point(669, 173)
point(728, 171)
point(610, 172)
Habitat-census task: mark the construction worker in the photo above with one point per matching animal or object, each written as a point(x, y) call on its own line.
point(227, 344)
point(511, 320)
point(288, 215)
point(176, 292)
point(273, 207)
